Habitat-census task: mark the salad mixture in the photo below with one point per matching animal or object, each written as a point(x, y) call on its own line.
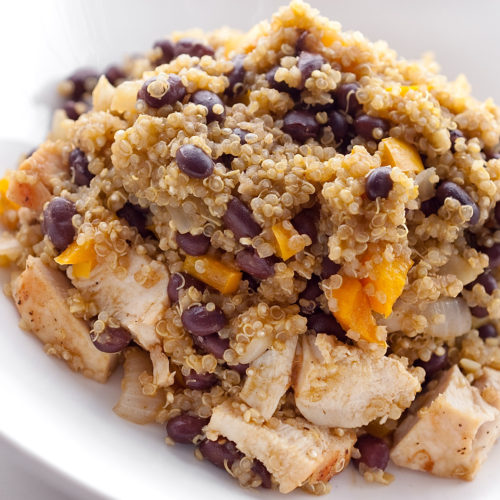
point(289, 237)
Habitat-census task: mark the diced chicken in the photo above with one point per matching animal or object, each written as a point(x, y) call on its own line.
point(489, 386)
point(32, 183)
point(40, 294)
point(342, 386)
point(449, 430)
point(137, 300)
point(293, 451)
point(269, 377)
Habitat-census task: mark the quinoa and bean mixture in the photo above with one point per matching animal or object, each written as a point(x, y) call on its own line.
point(291, 240)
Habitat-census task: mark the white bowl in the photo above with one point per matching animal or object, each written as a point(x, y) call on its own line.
point(65, 421)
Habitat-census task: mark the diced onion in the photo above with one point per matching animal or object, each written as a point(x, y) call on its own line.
point(133, 404)
point(458, 266)
point(455, 314)
point(425, 181)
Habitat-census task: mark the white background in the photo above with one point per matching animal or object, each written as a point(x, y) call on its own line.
point(41, 42)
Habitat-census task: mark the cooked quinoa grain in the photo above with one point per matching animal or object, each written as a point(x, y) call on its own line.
point(298, 230)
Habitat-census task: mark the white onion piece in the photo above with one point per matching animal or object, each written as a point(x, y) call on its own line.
point(183, 222)
point(10, 248)
point(133, 404)
point(425, 181)
point(458, 266)
point(257, 346)
point(456, 316)
point(102, 94)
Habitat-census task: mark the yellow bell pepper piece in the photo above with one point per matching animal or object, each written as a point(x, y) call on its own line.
point(354, 311)
point(284, 246)
point(398, 153)
point(389, 278)
point(214, 273)
point(5, 203)
point(82, 257)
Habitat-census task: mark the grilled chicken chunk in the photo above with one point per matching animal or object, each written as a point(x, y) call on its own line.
point(293, 451)
point(32, 183)
point(449, 430)
point(137, 300)
point(268, 378)
point(40, 294)
point(342, 386)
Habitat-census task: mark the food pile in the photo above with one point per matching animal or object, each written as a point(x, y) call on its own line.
point(289, 237)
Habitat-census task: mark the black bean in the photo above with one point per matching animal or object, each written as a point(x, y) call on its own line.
point(260, 469)
point(236, 77)
point(113, 339)
point(471, 240)
point(201, 381)
point(253, 283)
point(479, 312)
point(193, 244)
point(242, 134)
point(487, 280)
point(136, 216)
point(488, 331)
point(158, 92)
point(74, 109)
point(167, 48)
point(182, 281)
point(307, 63)
point(80, 167)
point(374, 451)
point(209, 100)
point(300, 125)
point(211, 344)
point(305, 223)
point(249, 261)
point(448, 189)
point(493, 253)
point(379, 183)
point(454, 135)
point(184, 427)
point(345, 98)
point(371, 127)
point(430, 206)
point(497, 213)
point(328, 268)
point(198, 320)
point(83, 80)
point(240, 368)
point(57, 223)
point(239, 219)
point(193, 161)
point(301, 44)
point(312, 290)
point(220, 452)
point(435, 364)
point(339, 125)
point(280, 86)
point(226, 160)
point(114, 74)
point(192, 47)
point(322, 322)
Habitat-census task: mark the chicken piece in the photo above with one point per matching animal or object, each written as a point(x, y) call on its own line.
point(40, 294)
point(489, 386)
point(268, 378)
point(32, 183)
point(293, 451)
point(343, 386)
point(137, 300)
point(449, 430)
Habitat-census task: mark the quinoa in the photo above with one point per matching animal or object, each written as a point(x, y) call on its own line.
point(413, 271)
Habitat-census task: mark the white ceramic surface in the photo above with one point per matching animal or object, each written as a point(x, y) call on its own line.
point(60, 420)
